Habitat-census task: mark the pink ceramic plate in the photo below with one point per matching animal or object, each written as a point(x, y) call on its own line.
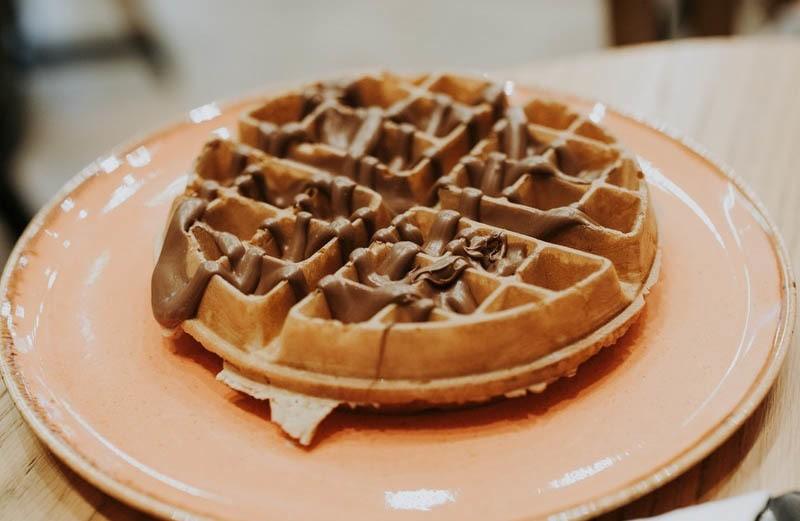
point(144, 419)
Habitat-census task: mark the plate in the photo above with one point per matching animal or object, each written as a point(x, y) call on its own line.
point(143, 418)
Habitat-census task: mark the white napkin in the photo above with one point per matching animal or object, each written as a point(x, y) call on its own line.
point(739, 508)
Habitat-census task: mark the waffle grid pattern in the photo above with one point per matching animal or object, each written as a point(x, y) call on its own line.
point(414, 229)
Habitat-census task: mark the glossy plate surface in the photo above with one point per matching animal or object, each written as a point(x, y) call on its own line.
point(143, 417)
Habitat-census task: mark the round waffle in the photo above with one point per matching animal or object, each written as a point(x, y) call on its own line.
point(405, 243)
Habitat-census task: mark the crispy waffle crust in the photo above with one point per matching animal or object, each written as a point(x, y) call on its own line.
point(405, 243)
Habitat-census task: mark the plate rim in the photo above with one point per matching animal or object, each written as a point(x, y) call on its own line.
point(661, 475)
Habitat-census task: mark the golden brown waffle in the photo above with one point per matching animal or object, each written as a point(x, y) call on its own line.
point(406, 243)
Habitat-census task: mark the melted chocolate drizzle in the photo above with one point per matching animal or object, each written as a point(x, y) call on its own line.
point(512, 132)
point(362, 133)
point(443, 229)
point(488, 252)
point(251, 185)
point(497, 176)
point(377, 144)
point(443, 117)
point(327, 197)
point(370, 146)
point(469, 203)
point(276, 139)
point(396, 280)
point(176, 296)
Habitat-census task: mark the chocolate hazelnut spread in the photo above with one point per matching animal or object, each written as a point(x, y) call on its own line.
point(176, 295)
point(405, 242)
point(375, 142)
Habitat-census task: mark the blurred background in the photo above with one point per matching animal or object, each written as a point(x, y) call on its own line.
point(79, 76)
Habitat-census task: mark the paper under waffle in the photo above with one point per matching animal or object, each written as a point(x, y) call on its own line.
point(405, 243)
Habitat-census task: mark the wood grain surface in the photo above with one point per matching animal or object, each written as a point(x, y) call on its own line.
point(738, 98)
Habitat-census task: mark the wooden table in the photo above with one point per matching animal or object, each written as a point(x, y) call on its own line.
point(740, 99)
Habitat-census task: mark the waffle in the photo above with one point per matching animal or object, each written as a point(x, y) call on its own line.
point(405, 243)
